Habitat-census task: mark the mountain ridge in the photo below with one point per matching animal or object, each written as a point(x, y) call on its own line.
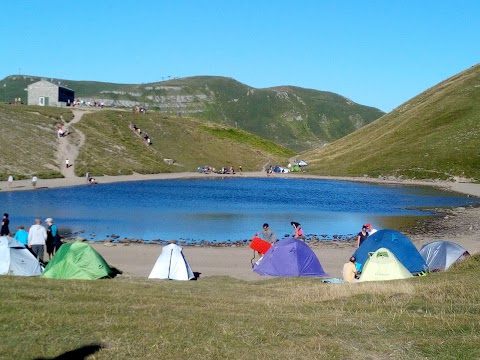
point(294, 117)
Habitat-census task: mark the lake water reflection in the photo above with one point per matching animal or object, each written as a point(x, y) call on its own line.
point(223, 209)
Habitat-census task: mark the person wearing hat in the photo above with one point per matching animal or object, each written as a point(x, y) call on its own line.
point(370, 229)
point(350, 270)
point(267, 234)
point(53, 239)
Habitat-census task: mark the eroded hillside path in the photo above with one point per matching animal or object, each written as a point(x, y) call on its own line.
point(69, 145)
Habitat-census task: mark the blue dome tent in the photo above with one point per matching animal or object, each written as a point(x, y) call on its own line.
point(399, 244)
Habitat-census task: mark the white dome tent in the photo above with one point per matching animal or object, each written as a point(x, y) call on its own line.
point(17, 260)
point(171, 265)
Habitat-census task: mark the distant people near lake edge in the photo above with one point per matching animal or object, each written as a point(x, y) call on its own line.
point(362, 235)
point(5, 231)
point(298, 234)
point(34, 181)
point(37, 236)
point(350, 270)
point(21, 235)
point(370, 229)
point(10, 181)
point(267, 234)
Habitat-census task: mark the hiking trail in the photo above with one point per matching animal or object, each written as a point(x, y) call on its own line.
point(69, 145)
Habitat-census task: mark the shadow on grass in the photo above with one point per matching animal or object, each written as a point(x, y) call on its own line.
point(114, 272)
point(77, 354)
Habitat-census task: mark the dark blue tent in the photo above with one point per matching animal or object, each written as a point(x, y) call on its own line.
point(290, 257)
point(399, 244)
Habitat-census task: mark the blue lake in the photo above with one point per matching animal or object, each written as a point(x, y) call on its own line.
point(222, 209)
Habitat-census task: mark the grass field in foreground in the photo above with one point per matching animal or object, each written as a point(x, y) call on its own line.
point(431, 317)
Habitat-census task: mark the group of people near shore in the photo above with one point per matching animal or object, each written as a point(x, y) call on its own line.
point(10, 181)
point(350, 269)
point(268, 234)
point(223, 170)
point(37, 239)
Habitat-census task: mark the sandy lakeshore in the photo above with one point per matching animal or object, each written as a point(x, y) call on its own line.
point(461, 225)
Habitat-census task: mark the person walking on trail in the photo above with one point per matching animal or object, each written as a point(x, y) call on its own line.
point(37, 235)
point(67, 163)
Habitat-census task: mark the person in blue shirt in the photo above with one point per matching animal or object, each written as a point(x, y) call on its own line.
point(21, 235)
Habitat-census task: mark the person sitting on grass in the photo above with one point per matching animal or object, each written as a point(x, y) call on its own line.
point(350, 270)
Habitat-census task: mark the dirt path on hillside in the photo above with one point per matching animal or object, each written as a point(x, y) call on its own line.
point(69, 146)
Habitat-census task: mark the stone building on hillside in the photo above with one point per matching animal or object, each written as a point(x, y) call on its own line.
point(45, 93)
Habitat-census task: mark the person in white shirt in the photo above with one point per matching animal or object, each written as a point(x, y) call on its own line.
point(37, 235)
point(370, 229)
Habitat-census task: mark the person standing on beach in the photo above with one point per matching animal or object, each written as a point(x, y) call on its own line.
point(34, 182)
point(267, 234)
point(21, 235)
point(37, 235)
point(10, 181)
point(5, 231)
point(362, 235)
point(370, 229)
point(53, 239)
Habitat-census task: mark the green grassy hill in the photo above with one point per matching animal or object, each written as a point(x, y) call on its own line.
point(293, 117)
point(190, 142)
point(435, 135)
point(28, 141)
point(29, 144)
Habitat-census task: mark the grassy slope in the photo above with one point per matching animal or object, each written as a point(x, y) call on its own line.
point(294, 117)
point(432, 317)
point(28, 141)
point(112, 148)
point(434, 135)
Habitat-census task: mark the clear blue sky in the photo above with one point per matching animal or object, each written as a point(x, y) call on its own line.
point(377, 53)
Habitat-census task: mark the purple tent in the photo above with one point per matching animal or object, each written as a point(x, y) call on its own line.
point(290, 257)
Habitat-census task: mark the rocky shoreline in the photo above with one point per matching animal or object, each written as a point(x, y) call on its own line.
point(448, 223)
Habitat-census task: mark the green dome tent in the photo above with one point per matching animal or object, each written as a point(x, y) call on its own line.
point(77, 260)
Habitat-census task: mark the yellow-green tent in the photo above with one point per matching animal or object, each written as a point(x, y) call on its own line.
point(383, 265)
